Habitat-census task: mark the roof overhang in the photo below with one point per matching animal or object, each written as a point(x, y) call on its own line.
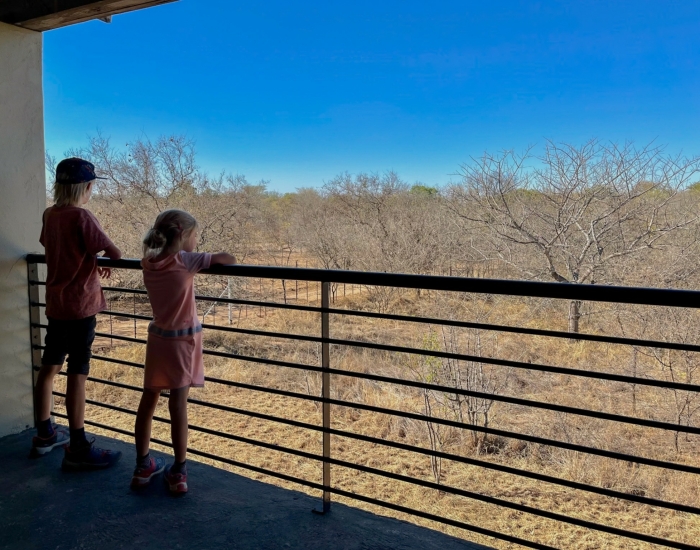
point(45, 15)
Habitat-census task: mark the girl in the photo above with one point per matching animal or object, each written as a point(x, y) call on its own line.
point(174, 346)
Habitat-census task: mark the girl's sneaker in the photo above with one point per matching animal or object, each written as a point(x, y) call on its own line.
point(89, 458)
point(43, 445)
point(177, 483)
point(143, 474)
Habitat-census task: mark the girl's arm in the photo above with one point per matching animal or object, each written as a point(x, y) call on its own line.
point(223, 258)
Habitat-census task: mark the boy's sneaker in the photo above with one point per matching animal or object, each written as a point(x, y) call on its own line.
point(89, 458)
point(177, 483)
point(143, 475)
point(43, 445)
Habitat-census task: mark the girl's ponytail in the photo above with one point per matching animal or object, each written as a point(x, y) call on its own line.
point(154, 239)
point(170, 226)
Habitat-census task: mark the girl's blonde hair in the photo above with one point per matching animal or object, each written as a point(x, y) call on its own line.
point(170, 226)
point(69, 194)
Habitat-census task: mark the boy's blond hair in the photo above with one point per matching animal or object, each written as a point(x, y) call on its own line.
point(69, 195)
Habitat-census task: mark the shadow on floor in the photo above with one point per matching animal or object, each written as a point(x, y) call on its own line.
point(42, 507)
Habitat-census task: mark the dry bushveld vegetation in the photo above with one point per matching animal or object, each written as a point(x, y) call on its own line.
point(593, 214)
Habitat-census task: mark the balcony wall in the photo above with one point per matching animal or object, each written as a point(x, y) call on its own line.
point(22, 198)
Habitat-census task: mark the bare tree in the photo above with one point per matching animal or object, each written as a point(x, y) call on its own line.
point(575, 214)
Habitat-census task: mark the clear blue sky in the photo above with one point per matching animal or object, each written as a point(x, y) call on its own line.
point(297, 92)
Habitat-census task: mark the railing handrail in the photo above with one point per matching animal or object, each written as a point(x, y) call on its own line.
point(510, 287)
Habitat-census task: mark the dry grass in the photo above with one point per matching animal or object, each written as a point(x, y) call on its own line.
point(530, 384)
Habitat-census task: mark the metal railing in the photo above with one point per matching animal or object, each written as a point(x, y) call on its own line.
point(621, 295)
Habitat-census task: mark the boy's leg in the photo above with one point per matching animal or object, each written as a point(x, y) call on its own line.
point(178, 422)
point(144, 420)
point(82, 454)
point(43, 391)
point(47, 437)
point(75, 409)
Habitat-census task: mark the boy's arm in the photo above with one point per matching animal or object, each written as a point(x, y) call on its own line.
point(112, 252)
point(223, 258)
point(43, 226)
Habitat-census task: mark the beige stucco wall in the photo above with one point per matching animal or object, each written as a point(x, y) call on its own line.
point(22, 198)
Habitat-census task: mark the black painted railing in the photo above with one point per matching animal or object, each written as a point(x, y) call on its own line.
point(325, 278)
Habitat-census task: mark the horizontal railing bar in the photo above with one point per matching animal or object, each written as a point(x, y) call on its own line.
point(518, 472)
point(621, 340)
point(256, 303)
point(118, 361)
point(124, 290)
point(216, 353)
point(500, 398)
point(514, 506)
point(33, 282)
point(517, 364)
point(222, 381)
point(209, 431)
point(522, 437)
point(126, 315)
point(341, 492)
point(264, 389)
point(120, 337)
point(446, 322)
point(108, 383)
point(206, 455)
point(488, 360)
point(524, 402)
point(440, 519)
point(261, 416)
point(586, 292)
point(521, 330)
point(211, 405)
point(414, 416)
point(266, 333)
point(481, 326)
point(463, 357)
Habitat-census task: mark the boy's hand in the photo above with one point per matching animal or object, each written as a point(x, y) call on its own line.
point(104, 272)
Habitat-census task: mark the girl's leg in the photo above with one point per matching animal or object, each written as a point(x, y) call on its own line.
point(43, 391)
point(144, 419)
point(178, 422)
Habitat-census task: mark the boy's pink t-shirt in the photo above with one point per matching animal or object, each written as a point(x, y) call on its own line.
point(72, 238)
point(170, 287)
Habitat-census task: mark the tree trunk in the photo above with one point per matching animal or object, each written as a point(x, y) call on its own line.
point(574, 315)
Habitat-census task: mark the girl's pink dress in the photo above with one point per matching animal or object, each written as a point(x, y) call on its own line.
point(174, 347)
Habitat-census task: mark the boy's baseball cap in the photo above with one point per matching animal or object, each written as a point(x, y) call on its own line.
point(74, 170)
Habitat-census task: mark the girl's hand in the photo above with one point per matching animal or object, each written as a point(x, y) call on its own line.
point(223, 258)
point(104, 272)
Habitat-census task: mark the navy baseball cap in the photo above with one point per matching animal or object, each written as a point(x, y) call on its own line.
point(74, 170)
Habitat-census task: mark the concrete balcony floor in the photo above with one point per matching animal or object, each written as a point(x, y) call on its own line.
point(42, 507)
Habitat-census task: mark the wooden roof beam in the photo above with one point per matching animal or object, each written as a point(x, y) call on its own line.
point(44, 15)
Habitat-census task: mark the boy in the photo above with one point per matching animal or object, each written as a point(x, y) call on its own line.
point(72, 238)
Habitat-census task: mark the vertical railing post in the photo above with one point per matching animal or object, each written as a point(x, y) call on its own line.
point(34, 321)
point(326, 395)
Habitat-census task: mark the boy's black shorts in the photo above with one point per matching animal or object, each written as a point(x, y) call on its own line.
point(73, 338)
